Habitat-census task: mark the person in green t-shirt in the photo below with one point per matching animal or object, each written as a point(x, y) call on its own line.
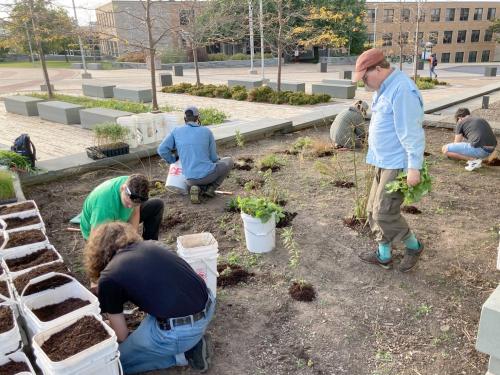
point(126, 199)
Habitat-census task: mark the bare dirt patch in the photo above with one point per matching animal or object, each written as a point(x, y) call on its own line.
point(231, 274)
point(302, 291)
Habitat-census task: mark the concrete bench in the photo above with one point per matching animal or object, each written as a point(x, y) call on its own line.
point(44, 87)
point(289, 86)
point(323, 67)
point(91, 116)
point(22, 105)
point(334, 90)
point(347, 82)
point(490, 71)
point(166, 79)
point(61, 112)
point(133, 94)
point(98, 90)
point(346, 74)
point(247, 83)
point(488, 336)
point(76, 66)
point(178, 70)
point(94, 66)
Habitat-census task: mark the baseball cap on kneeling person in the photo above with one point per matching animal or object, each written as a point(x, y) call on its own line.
point(193, 110)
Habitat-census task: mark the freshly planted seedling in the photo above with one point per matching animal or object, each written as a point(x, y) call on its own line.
point(301, 144)
point(301, 290)
point(412, 194)
point(260, 208)
point(272, 162)
point(272, 190)
point(240, 140)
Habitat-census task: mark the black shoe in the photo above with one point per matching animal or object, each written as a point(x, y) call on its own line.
point(372, 258)
point(199, 357)
point(410, 258)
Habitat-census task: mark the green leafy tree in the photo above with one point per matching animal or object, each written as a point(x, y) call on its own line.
point(495, 28)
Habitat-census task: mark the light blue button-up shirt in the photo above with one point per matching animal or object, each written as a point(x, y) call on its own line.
point(396, 138)
point(195, 146)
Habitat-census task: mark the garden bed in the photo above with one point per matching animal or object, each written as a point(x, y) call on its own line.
point(364, 320)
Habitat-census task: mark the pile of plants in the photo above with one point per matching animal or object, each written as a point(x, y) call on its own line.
point(262, 94)
point(13, 160)
point(110, 141)
point(412, 194)
point(260, 208)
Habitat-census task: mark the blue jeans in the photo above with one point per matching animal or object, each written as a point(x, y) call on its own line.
point(150, 348)
point(465, 148)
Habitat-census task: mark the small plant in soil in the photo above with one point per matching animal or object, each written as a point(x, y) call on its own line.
point(411, 210)
point(15, 161)
point(25, 237)
point(232, 205)
point(252, 185)
point(13, 368)
point(157, 188)
point(19, 207)
point(54, 311)
point(272, 190)
point(302, 291)
point(319, 149)
point(300, 145)
point(231, 274)
point(22, 280)
point(36, 258)
point(260, 208)
point(7, 191)
point(6, 319)
point(272, 162)
point(335, 171)
point(287, 220)
point(291, 245)
point(16, 222)
point(239, 138)
point(83, 334)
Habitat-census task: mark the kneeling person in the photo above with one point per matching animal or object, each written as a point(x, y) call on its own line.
point(178, 304)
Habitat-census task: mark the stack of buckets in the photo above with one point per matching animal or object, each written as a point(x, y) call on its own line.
point(200, 251)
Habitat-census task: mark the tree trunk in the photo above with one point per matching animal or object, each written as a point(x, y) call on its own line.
point(152, 54)
point(280, 20)
point(196, 67)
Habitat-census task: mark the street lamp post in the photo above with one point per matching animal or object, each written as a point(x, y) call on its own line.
point(261, 21)
point(85, 73)
point(250, 24)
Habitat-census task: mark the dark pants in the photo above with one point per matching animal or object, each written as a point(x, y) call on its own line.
point(151, 216)
point(222, 169)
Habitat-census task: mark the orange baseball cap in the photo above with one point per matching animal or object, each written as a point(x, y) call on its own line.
point(366, 60)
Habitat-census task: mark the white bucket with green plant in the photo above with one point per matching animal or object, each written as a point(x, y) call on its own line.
point(259, 216)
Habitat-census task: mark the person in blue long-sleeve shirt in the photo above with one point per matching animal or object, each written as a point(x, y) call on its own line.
point(396, 143)
point(195, 146)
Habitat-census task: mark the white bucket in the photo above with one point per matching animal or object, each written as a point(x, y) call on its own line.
point(18, 357)
point(23, 215)
point(201, 252)
point(100, 359)
point(159, 126)
point(176, 182)
point(24, 252)
point(260, 237)
point(130, 123)
point(11, 250)
point(10, 341)
point(145, 128)
point(17, 214)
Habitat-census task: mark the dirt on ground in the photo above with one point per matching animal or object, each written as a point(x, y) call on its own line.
point(364, 319)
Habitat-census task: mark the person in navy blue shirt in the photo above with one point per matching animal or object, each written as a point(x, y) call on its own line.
point(195, 146)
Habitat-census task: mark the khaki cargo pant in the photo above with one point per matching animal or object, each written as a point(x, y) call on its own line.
point(384, 209)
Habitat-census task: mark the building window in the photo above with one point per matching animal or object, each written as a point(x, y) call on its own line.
point(388, 15)
point(370, 15)
point(488, 35)
point(491, 14)
point(485, 56)
point(422, 16)
point(449, 14)
point(387, 39)
point(478, 14)
point(472, 56)
point(464, 14)
point(185, 16)
point(447, 37)
point(462, 35)
point(474, 36)
point(445, 57)
point(433, 37)
point(405, 15)
point(371, 38)
point(420, 36)
point(435, 14)
point(403, 38)
point(459, 57)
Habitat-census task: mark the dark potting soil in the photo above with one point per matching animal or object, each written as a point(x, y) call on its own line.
point(51, 312)
point(17, 208)
point(4, 290)
point(243, 164)
point(411, 210)
point(356, 224)
point(302, 292)
point(6, 319)
point(287, 220)
point(16, 222)
point(427, 153)
point(324, 153)
point(274, 168)
point(343, 184)
point(83, 334)
point(493, 163)
point(22, 280)
point(230, 274)
point(172, 220)
point(25, 237)
point(12, 368)
point(42, 256)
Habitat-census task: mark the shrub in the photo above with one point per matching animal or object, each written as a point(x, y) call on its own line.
point(180, 88)
point(281, 97)
point(212, 116)
point(261, 94)
point(11, 159)
point(7, 190)
point(239, 93)
point(222, 91)
point(137, 57)
point(239, 56)
point(203, 90)
point(218, 57)
point(424, 85)
point(271, 162)
point(173, 55)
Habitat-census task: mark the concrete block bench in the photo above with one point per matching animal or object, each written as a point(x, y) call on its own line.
point(44, 87)
point(166, 79)
point(98, 90)
point(337, 81)
point(133, 94)
point(490, 71)
point(91, 116)
point(346, 74)
point(22, 105)
point(334, 90)
point(289, 86)
point(323, 67)
point(488, 336)
point(247, 83)
point(61, 112)
point(76, 66)
point(178, 70)
point(94, 66)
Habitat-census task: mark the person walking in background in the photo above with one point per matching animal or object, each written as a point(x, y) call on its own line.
point(432, 65)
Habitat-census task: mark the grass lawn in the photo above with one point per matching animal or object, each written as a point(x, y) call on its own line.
point(50, 64)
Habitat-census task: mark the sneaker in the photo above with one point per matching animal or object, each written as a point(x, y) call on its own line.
point(210, 192)
point(194, 194)
point(473, 164)
point(372, 258)
point(199, 357)
point(410, 258)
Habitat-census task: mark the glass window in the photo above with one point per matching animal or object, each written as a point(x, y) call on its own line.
point(474, 36)
point(478, 14)
point(370, 39)
point(445, 57)
point(185, 15)
point(370, 15)
point(404, 37)
point(472, 56)
point(387, 39)
point(459, 57)
point(485, 56)
point(464, 14)
point(488, 35)
point(405, 15)
point(435, 14)
point(447, 37)
point(433, 37)
point(449, 14)
point(420, 36)
point(462, 35)
point(388, 15)
point(491, 14)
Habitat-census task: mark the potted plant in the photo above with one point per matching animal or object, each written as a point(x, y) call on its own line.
point(259, 216)
point(110, 141)
point(7, 191)
point(14, 161)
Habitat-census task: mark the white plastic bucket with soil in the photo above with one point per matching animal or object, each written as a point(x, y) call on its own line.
point(176, 182)
point(8, 237)
point(25, 215)
point(99, 359)
point(10, 340)
point(260, 237)
point(32, 210)
point(12, 256)
point(201, 252)
point(55, 296)
point(18, 357)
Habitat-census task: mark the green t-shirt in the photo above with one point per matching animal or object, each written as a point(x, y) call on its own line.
point(104, 204)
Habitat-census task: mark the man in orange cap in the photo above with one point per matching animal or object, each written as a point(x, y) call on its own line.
point(396, 143)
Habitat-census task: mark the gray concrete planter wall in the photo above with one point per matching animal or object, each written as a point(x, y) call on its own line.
point(61, 112)
point(204, 64)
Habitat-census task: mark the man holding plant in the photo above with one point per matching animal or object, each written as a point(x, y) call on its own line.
point(396, 143)
point(195, 146)
point(126, 199)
